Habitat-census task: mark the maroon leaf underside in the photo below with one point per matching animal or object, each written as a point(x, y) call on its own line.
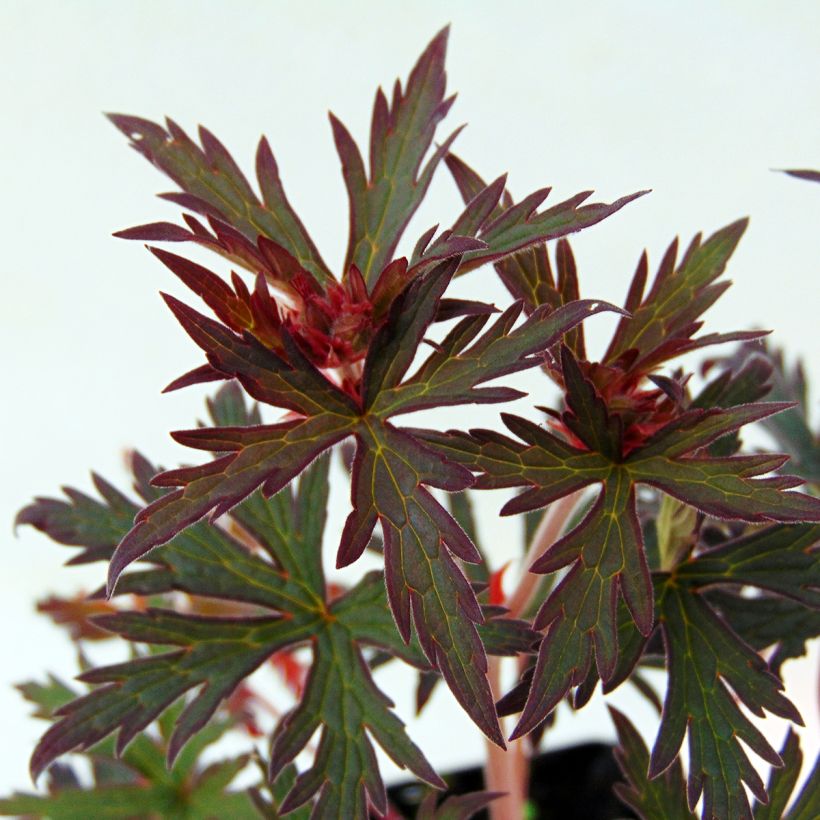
point(802, 173)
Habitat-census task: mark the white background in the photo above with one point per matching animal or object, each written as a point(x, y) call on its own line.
point(695, 100)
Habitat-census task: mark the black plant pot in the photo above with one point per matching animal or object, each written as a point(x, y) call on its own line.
point(568, 784)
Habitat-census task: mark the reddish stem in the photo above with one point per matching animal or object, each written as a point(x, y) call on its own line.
point(549, 529)
point(505, 771)
point(508, 771)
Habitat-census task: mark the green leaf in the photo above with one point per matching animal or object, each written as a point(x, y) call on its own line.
point(807, 804)
point(704, 658)
point(766, 621)
point(340, 696)
point(782, 781)
point(676, 532)
point(139, 784)
point(227, 408)
point(82, 520)
point(133, 801)
point(791, 428)
point(743, 382)
point(278, 791)
point(217, 653)
point(781, 559)
point(502, 636)
point(290, 527)
point(663, 796)
point(76, 804)
point(48, 697)
point(207, 560)
point(456, 806)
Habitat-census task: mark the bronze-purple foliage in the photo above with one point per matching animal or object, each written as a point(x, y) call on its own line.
point(675, 521)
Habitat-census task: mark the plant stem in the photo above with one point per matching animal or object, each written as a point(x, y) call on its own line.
point(549, 529)
point(505, 771)
point(508, 771)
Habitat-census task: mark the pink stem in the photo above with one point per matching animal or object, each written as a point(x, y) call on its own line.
point(549, 529)
point(508, 771)
point(505, 771)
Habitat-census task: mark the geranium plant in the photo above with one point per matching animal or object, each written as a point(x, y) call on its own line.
point(654, 540)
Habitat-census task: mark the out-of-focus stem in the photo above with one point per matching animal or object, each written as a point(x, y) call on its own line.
point(505, 771)
point(508, 771)
point(548, 531)
point(675, 526)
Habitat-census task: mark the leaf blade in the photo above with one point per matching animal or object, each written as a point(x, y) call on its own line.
point(208, 175)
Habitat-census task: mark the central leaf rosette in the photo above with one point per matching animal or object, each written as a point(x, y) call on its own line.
point(331, 324)
point(334, 353)
point(287, 358)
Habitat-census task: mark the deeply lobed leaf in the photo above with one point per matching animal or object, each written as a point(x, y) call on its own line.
point(704, 656)
point(704, 629)
point(217, 653)
point(781, 559)
point(605, 552)
point(664, 320)
point(392, 467)
point(383, 199)
point(138, 780)
point(663, 796)
point(768, 621)
point(515, 235)
point(213, 185)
